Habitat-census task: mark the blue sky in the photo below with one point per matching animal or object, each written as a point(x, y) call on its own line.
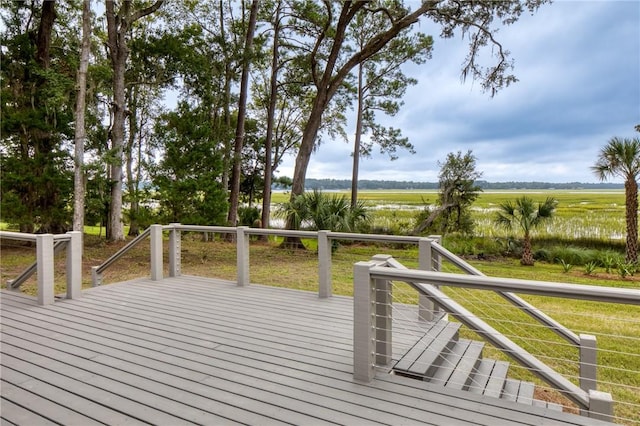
point(578, 65)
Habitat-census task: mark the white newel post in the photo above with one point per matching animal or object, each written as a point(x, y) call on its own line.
point(44, 257)
point(324, 264)
point(74, 265)
point(588, 362)
point(175, 251)
point(600, 405)
point(156, 252)
point(363, 323)
point(436, 259)
point(242, 256)
point(426, 308)
point(588, 365)
point(96, 277)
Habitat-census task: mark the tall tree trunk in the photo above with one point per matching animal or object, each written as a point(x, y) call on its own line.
point(132, 182)
point(80, 130)
point(527, 253)
point(45, 28)
point(234, 197)
point(226, 101)
point(631, 211)
point(356, 144)
point(118, 27)
point(271, 114)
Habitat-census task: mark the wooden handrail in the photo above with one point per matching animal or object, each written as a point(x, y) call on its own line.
point(15, 283)
point(117, 255)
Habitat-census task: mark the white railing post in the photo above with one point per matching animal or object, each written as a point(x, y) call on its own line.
point(74, 265)
point(242, 255)
point(588, 365)
point(175, 251)
point(600, 405)
point(156, 252)
point(96, 277)
point(436, 259)
point(324, 264)
point(363, 323)
point(588, 362)
point(44, 257)
point(427, 310)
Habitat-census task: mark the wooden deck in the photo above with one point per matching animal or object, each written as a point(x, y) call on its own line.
point(194, 350)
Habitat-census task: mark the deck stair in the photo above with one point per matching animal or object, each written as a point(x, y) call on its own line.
point(441, 357)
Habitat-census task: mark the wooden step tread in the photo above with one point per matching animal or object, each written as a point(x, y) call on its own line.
point(462, 375)
point(496, 380)
point(450, 362)
point(424, 357)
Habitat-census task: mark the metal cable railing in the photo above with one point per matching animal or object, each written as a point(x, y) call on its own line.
point(513, 336)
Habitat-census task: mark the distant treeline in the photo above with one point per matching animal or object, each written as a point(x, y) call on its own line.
point(345, 184)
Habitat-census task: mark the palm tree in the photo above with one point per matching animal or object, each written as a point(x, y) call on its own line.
point(621, 157)
point(526, 215)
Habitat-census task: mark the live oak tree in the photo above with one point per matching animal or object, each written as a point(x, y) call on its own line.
point(621, 157)
point(120, 18)
point(326, 24)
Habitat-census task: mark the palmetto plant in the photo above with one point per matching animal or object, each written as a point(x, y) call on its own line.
point(526, 215)
point(321, 211)
point(621, 157)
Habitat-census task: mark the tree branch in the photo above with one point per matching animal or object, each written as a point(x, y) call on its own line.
point(146, 11)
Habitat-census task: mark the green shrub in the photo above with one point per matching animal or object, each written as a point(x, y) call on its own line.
point(566, 267)
point(590, 268)
point(543, 255)
point(610, 260)
point(625, 269)
point(575, 255)
point(249, 216)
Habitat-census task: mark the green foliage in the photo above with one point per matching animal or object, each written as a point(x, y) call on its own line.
point(609, 261)
point(320, 211)
point(187, 180)
point(36, 119)
point(627, 269)
point(526, 215)
point(621, 157)
point(457, 192)
point(590, 268)
point(382, 83)
point(566, 266)
point(248, 216)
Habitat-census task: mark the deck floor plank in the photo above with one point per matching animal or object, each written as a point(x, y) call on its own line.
point(196, 350)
